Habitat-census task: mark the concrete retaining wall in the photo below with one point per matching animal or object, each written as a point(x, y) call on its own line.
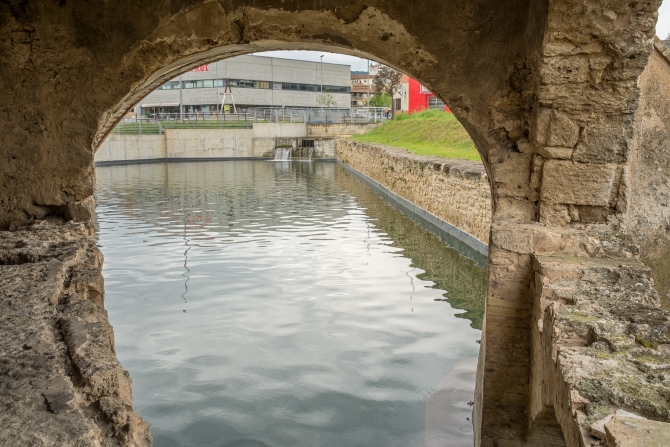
point(257, 142)
point(210, 143)
point(131, 147)
point(456, 191)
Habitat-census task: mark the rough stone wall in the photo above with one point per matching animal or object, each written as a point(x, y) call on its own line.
point(72, 70)
point(574, 153)
point(457, 191)
point(548, 90)
point(60, 381)
point(601, 346)
point(649, 173)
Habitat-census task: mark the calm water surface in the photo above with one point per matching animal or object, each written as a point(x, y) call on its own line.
point(285, 304)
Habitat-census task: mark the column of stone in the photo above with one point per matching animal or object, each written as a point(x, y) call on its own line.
point(565, 172)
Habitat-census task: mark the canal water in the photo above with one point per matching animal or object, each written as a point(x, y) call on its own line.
point(278, 304)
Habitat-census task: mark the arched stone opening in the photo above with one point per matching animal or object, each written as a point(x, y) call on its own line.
point(548, 90)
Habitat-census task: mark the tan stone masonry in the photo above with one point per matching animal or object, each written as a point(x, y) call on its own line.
point(457, 191)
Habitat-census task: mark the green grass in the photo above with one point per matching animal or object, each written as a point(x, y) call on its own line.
point(152, 127)
point(432, 132)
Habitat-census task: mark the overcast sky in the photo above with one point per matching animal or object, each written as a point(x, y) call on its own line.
point(358, 64)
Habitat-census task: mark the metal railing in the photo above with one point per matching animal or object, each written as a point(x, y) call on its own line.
point(155, 124)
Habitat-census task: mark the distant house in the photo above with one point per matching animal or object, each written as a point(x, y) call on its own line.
point(360, 90)
point(414, 97)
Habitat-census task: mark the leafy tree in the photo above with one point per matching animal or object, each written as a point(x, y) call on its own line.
point(389, 81)
point(382, 99)
point(325, 100)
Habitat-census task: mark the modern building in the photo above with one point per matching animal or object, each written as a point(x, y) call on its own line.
point(414, 97)
point(255, 81)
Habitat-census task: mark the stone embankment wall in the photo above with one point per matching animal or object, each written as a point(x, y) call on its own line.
point(456, 191)
point(648, 177)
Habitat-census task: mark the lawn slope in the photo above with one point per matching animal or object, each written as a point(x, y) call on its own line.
point(432, 132)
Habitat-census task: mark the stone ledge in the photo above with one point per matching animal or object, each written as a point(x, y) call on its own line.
point(60, 381)
point(604, 341)
point(629, 432)
point(662, 48)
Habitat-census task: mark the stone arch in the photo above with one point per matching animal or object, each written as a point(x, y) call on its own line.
point(548, 90)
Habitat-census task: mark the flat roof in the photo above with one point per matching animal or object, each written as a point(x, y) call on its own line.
point(289, 59)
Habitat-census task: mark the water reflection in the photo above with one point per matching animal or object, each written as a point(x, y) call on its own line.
point(282, 304)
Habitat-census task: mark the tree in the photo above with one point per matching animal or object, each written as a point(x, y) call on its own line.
point(388, 80)
point(382, 99)
point(325, 100)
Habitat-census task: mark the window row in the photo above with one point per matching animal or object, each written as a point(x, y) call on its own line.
point(241, 83)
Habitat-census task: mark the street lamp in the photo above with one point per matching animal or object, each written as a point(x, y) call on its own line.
point(321, 89)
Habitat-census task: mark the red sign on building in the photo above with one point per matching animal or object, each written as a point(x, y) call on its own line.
point(200, 68)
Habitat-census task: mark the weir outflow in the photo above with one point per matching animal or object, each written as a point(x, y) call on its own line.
point(289, 153)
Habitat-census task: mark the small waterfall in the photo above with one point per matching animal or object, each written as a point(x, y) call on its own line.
point(304, 153)
point(283, 153)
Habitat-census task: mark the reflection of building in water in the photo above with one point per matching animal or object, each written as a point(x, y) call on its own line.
point(212, 197)
point(256, 81)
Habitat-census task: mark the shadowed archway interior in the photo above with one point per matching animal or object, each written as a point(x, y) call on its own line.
point(557, 95)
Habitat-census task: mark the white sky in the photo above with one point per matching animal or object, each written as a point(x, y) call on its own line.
point(358, 64)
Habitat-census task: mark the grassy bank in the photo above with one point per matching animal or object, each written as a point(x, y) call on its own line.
point(432, 132)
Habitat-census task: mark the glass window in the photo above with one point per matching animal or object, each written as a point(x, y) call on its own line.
point(219, 83)
point(189, 84)
point(262, 84)
point(435, 103)
point(170, 85)
point(208, 83)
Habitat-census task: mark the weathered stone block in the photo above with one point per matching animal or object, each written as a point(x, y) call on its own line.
point(608, 140)
point(560, 153)
point(561, 70)
point(511, 175)
point(554, 128)
point(630, 432)
point(577, 183)
point(565, 47)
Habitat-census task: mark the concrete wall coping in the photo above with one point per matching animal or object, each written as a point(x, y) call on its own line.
point(662, 48)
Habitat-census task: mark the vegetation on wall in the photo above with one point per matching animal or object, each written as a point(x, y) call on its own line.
point(431, 132)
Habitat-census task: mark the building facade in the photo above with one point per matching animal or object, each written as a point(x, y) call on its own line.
point(255, 81)
point(362, 88)
point(414, 97)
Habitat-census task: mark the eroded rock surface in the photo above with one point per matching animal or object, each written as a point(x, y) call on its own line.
point(60, 381)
